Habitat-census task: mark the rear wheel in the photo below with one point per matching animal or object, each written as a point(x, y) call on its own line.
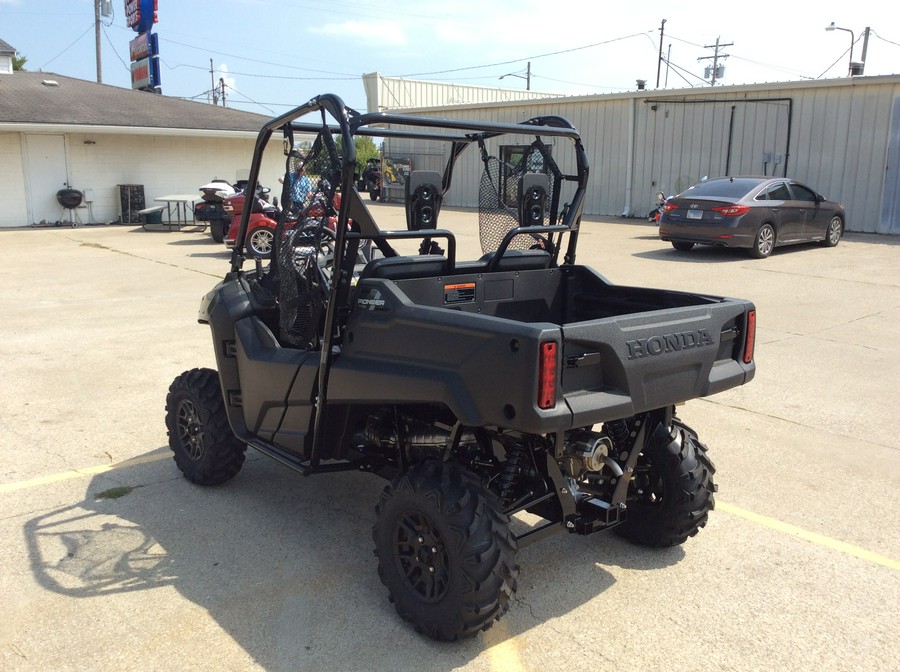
point(206, 450)
point(445, 551)
point(764, 242)
point(217, 229)
point(673, 484)
point(259, 243)
point(834, 232)
point(682, 246)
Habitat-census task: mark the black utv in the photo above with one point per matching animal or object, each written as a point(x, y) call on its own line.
point(517, 381)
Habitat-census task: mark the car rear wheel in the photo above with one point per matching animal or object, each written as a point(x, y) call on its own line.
point(834, 232)
point(259, 244)
point(764, 242)
point(682, 246)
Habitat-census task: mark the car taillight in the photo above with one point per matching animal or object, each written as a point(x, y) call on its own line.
point(732, 210)
point(750, 337)
point(547, 375)
point(668, 207)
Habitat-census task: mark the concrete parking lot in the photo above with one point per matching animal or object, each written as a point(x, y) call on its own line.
point(110, 560)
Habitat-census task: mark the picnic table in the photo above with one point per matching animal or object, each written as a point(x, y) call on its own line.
point(183, 207)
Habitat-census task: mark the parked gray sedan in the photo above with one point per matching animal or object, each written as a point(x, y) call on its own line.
point(757, 213)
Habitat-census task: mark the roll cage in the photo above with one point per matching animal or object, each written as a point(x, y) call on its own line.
point(353, 221)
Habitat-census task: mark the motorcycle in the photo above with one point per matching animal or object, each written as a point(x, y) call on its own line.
point(212, 208)
point(654, 215)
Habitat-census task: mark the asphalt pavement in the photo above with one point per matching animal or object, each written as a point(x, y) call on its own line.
point(110, 560)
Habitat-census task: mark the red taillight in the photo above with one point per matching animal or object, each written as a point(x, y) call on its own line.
point(732, 210)
point(750, 337)
point(547, 376)
point(668, 207)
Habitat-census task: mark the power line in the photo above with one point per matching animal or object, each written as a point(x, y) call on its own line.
point(254, 60)
point(89, 29)
point(524, 58)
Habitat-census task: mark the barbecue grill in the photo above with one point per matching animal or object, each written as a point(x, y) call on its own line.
point(70, 199)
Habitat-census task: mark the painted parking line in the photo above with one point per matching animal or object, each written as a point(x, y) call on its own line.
point(814, 537)
point(80, 473)
point(766, 521)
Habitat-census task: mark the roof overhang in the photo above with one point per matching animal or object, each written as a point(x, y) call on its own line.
point(24, 127)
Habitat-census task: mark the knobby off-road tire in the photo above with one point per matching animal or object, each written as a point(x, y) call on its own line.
point(673, 490)
point(206, 451)
point(445, 551)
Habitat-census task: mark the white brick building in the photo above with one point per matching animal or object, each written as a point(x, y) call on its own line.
point(57, 131)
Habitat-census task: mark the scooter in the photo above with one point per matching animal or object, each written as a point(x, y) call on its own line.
point(654, 215)
point(212, 209)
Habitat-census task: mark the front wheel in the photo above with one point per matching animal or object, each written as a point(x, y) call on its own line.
point(205, 449)
point(764, 242)
point(671, 493)
point(834, 232)
point(445, 551)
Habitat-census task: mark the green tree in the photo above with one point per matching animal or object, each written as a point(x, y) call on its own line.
point(19, 62)
point(365, 150)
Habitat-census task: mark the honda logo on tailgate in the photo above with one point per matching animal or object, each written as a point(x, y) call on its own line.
point(661, 345)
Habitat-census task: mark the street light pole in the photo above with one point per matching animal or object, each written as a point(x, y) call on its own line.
point(526, 76)
point(832, 27)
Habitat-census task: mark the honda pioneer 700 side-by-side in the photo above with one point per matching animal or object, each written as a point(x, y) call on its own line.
point(517, 381)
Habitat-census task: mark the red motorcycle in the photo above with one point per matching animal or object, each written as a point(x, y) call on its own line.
point(264, 218)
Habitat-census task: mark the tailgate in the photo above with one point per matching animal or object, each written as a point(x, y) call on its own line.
point(614, 367)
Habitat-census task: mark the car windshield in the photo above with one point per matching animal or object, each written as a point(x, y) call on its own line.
point(732, 188)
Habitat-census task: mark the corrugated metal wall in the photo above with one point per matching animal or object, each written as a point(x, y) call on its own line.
point(833, 134)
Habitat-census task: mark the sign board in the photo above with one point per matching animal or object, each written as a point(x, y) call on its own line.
point(140, 15)
point(142, 74)
point(140, 47)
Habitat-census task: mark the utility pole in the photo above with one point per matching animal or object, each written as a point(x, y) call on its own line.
point(222, 84)
point(716, 56)
point(865, 47)
point(662, 31)
point(212, 84)
point(528, 75)
point(97, 40)
point(668, 60)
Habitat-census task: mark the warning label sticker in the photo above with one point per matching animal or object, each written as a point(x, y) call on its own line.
point(463, 292)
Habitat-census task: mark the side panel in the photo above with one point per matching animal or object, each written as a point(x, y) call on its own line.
point(483, 368)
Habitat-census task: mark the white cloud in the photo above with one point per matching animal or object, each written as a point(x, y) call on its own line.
point(378, 33)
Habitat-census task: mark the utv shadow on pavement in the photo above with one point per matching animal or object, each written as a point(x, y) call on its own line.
point(282, 564)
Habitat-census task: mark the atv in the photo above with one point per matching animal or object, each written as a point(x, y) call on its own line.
point(518, 381)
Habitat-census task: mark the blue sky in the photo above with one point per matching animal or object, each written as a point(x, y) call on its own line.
point(276, 55)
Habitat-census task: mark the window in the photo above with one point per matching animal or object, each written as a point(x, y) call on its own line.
point(802, 193)
point(778, 192)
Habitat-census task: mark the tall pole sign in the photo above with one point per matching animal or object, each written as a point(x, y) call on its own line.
point(140, 15)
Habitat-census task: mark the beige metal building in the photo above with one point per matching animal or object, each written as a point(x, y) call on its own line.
point(840, 136)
